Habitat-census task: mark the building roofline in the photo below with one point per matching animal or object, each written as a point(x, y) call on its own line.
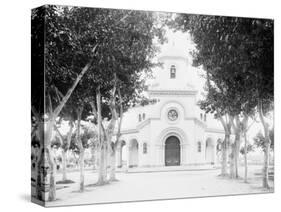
point(213, 130)
point(173, 92)
point(147, 121)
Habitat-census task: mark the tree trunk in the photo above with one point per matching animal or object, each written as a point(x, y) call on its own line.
point(245, 159)
point(97, 153)
point(81, 149)
point(118, 135)
point(108, 133)
point(244, 130)
point(224, 155)
point(102, 165)
point(119, 163)
point(53, 169)
point(105, 144)
point(93, 152)
point(227, 132)
point(65, 143)
point(50, 156)
point(102, 144)
point(235, 147)
point(64, 162)
point(237, 152)
point(113, 165)
point(82, 174)
point(265, 180)
point(232, 160)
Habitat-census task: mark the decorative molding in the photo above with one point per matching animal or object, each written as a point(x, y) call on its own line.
point(154, 118)
point(143, 124)
point(164, 134)
point(137, 129)
point(179, 115)
point(173, 57)
point(128, 131)
point(199, 122)
point(172, 131)
point(165, 103)
point(213, 130)
point(148, 121)
point(172, 92)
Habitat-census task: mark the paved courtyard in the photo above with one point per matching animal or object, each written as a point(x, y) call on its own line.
point(155, 185)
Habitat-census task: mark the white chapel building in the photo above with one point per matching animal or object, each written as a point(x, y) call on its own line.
point(173, 131)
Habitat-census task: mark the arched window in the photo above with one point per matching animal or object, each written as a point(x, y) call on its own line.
point(139, 117)
point(205, 117)
point(144, 148)
point(143, 116)
point(201, 116)
point(173, 72)
point(199, 146)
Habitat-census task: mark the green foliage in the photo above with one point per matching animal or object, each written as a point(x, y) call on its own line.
point(259, 140)
point(87, 135)
point(125, 47)
point(73, 144)
point(237, 55)
point(250, 148)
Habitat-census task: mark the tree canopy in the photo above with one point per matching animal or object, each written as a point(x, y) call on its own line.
point(125, 47)
point(237, 53)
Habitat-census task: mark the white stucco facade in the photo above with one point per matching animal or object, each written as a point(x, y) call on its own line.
point(173, 131)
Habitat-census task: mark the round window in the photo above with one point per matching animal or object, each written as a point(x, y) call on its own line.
point(173, 115)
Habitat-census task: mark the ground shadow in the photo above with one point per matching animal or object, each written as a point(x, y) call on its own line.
point(65, 182)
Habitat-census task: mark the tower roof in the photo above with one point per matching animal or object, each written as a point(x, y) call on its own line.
point(171, 50)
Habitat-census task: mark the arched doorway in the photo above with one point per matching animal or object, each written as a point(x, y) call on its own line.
point(210, 151)
point(172, 151)
point(133, 153)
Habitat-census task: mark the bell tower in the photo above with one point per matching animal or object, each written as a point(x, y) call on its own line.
point(175, 75)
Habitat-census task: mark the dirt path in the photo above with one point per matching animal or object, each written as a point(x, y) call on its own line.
point(158, 185)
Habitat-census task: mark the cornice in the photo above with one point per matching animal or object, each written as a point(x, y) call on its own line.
point(172, 92)
point(128, 131)
point(213, 130)
point(179, 57)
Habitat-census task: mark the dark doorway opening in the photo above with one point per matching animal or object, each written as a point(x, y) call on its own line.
point(172, 151)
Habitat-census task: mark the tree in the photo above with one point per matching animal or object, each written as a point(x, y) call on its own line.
point(78, 109)
point(125, 48)
point(126, 53)
point(211, 36)
point(259, 50)
point(65, 143)
point(93, 142)
point(260, 142)
point(237, 54)
point(244, 151)
point(59, 82)
point(212, 104)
